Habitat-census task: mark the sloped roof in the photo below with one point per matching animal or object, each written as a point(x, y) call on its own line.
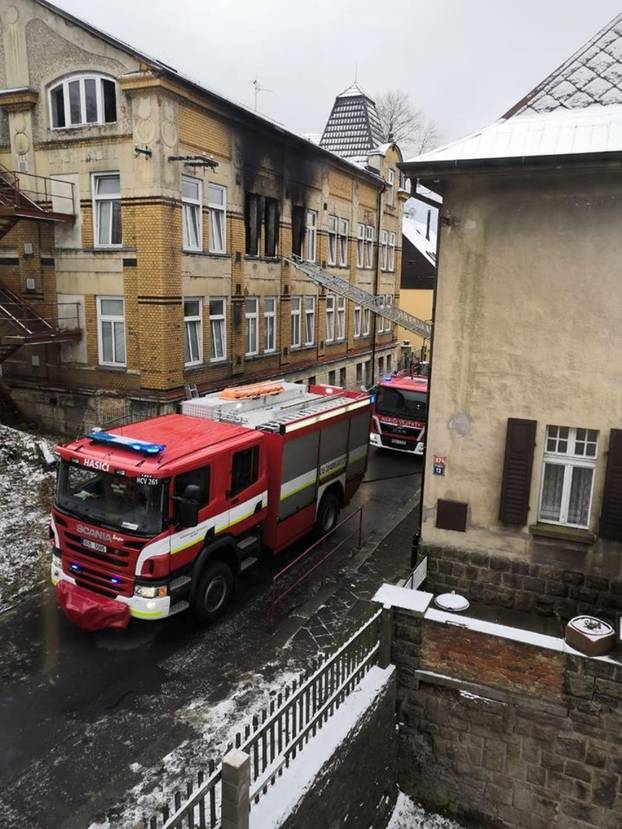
point(415, 234)
point(576, 110)
point(592, 76)
point(353, 127)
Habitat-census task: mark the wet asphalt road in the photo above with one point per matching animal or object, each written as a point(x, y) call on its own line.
point(77, 709)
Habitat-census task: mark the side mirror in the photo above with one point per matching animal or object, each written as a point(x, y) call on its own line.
point(187, 506)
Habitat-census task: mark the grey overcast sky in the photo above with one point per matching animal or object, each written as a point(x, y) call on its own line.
point(464, 62)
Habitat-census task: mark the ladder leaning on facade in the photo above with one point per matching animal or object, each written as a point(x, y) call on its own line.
point(342, 287)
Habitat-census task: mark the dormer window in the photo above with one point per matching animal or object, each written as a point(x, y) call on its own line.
point(81, 100)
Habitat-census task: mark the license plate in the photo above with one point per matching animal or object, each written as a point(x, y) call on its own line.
point(93, 545)
point(399, 442)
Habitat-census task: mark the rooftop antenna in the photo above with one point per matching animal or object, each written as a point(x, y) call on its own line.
point(258, 88)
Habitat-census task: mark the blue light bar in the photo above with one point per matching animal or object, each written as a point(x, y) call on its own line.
point(388, 377)
point(143, 447)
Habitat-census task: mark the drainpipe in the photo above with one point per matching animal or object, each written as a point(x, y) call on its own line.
point(424, 469)
point(376, 281)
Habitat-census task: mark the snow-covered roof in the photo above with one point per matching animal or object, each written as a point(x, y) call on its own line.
point(591, 76)
point(414, 231)
point(353, 128)
point(560, 132)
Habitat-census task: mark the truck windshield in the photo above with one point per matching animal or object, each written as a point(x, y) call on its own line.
point(401, 402)
point(116, 501)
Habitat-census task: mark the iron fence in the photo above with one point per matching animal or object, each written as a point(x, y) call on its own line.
point(276, 735)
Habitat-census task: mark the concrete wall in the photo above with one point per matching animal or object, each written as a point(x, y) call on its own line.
point(526, 326)
point(345, 776)
point(503, 726)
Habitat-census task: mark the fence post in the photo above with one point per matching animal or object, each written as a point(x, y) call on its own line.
point(386, 634)
point(236, 780)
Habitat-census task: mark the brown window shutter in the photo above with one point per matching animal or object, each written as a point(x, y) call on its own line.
point(611, 515)
point(519, 445)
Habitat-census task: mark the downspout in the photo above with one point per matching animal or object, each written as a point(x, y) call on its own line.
point(376, 280)
point(424, 469)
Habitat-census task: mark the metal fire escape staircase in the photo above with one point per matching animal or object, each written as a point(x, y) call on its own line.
point(357, 295)
point(26, 196)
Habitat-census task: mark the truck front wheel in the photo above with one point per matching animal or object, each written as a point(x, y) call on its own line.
point(328, 513)
point(213, 592)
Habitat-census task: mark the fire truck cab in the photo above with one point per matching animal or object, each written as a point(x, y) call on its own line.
point(161, 515)
point(400, 410)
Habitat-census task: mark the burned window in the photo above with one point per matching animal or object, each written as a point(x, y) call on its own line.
point(271, 222)
point(298, 226)
point(252, 223)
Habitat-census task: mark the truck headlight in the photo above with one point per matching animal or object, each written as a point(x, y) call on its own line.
point(150, 591)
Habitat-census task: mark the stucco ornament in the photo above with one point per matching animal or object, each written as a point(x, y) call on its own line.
point(21, 143)
point(460, 424)
point(12, 14)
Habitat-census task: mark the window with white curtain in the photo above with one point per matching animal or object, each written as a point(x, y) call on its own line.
point(191, 201)
point(218, 332)
point(251, 320)
point(107, 209)
point(111, 330)
point(269, 323)
point(568, 475)
point(193, 331)
point(309, 320)
point(217, 205)
point(296, 304)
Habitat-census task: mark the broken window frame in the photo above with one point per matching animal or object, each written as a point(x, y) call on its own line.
point(298, 222)
point(217, 218)
point(192, 215)
point(252, 223)
point(271, 227)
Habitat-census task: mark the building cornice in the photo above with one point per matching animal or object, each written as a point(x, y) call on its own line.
point(19, 99)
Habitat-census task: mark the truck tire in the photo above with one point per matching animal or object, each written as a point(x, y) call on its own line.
point(213, 592)
point(328, 513)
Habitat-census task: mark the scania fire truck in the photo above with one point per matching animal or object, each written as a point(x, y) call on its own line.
point(400, 410)
point(159, 516)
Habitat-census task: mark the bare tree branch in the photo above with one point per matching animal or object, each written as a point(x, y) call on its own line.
point(403, 123)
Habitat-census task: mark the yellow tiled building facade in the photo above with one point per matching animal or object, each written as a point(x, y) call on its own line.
point(174, 266)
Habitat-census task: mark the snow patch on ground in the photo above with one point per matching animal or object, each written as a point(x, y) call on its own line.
point(26, 492)
point(410, 815)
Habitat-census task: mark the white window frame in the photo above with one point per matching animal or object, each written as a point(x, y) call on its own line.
point(190, 204)
point(357, 321)
point(332, 241)
point(384, 243)
point(370, 238)
point(251, 324)
point(114, 319)
point(330, 318)
point(360, 246)
point(217, 215)
point(99, 94)
point(100, 200)
point(194, 320)
point(391, 263)
point(380, 323)
point(295, 320)
point(309, 306)
point(269, 323)
point(341, 318)
point(390, 187)
point(310, 235)
point(366, 321)
point(343, 228)
point(388, 325)
point(215, 321)
point(569, 460)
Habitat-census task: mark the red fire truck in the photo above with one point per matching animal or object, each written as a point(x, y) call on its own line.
point(400, 410)
point(162, 515)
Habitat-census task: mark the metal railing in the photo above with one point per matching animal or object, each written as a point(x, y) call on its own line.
point(275, 736)
point(277, 594)
point(51, 320)
point(27, 190)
